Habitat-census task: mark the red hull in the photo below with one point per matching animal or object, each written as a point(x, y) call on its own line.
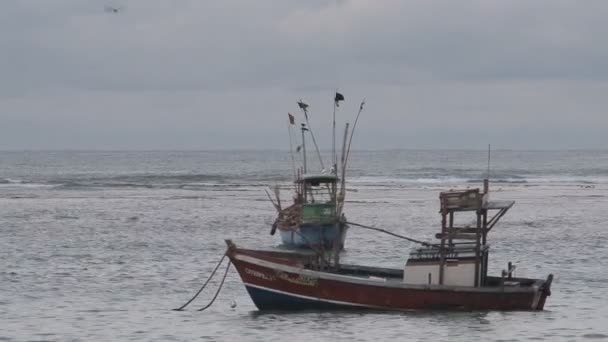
point(276, 282)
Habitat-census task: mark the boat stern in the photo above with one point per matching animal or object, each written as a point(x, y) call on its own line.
point(544, 292)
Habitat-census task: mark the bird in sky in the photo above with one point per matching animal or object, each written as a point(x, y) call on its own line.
point(111, 9)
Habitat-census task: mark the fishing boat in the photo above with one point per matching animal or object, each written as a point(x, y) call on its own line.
point(315, 219)
point(449, 275)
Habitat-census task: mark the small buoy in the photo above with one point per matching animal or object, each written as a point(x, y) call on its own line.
point(233, 304)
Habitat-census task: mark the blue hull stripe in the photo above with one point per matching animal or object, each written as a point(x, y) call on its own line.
point(268, 300)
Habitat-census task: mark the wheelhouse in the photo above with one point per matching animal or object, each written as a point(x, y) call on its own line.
point(318, 198)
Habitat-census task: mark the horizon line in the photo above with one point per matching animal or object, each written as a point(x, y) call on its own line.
point(287, 151)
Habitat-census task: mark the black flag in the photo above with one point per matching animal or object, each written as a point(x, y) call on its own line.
point(302, 105)
point(339, 97)
point(304, 108)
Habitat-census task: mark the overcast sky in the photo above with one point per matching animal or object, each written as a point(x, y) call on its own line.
point(196, 74)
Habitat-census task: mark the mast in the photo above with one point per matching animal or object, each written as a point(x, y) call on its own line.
point(304, 146)
point(334, 157)
point(337, 98)
point(293, 161)
point(339, 200)
point(341, 193)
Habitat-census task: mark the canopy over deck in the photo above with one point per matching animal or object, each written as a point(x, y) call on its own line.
point(498, 205)
point(316, 179)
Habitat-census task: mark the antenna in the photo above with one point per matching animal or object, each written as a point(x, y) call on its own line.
point(488, 174)
point(486, 182)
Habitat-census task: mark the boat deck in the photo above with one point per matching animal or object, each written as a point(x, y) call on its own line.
point(391, 275)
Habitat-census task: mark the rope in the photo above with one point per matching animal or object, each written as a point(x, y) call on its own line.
point(218, 289)
point(204, 285)
point(393, 234)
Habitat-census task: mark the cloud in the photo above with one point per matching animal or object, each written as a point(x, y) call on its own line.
point(423, 65)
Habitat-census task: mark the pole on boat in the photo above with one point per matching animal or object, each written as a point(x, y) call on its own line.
point(340, 197)
point(304, 108)
point(293, 161)
point(333, 138)
point(350, 140)
point(334, 157)
point(304, 129)
point(486, 182)
point(346, 150)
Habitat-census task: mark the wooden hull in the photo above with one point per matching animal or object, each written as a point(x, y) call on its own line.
point(280, 283)
point(306, 236)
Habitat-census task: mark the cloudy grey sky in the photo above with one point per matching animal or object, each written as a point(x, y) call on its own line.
point(196, 74)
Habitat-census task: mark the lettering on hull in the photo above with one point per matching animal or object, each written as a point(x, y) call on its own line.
point(298, 279)
point(259, 274)
point(294, 279)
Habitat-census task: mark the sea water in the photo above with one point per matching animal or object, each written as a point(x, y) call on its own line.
point(100, 246)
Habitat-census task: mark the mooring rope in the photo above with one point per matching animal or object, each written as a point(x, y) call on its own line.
point(204, 285)
point(427, 244)
point(218, 289)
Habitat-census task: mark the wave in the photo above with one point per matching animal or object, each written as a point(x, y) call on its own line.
point(247, 181)
point(512, 179)
point(18, 183)
point(148, 181)
point(397, 180)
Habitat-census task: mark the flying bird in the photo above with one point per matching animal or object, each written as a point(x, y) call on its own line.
point(111, 9)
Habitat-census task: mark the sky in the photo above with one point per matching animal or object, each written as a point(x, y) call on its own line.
point(200, 75)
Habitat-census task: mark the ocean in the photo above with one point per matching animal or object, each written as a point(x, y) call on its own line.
point(100, 246)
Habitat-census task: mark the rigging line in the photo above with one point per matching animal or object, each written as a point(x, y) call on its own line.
point(314, 141)
point(427, 244)
point(276, 205)
point(218, 289)
point(204, 285)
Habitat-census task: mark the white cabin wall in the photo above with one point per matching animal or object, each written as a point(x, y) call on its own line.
point(419, 274)
point(462, 274)
point(455, 274)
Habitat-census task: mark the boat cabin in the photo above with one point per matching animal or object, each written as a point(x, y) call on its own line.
point(318, 197)
point(424, 266)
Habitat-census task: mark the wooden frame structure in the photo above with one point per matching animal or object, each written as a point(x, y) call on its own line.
point(470, 200)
